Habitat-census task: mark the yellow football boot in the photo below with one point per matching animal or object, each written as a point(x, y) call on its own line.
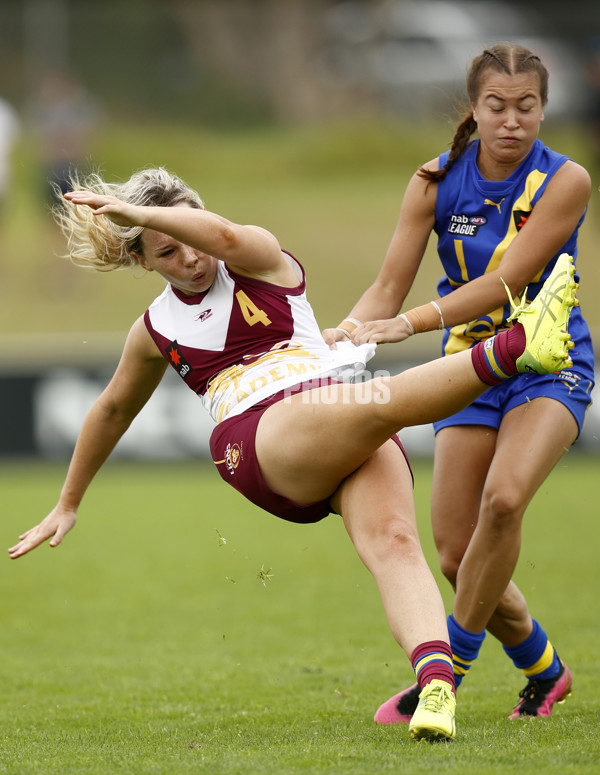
point(434, 716)
point(546, 321)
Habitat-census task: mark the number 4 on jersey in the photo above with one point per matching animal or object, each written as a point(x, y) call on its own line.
point(252, 314)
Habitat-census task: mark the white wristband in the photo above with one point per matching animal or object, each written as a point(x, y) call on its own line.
point(408, 323)
point(343, 330)
point(439, 311)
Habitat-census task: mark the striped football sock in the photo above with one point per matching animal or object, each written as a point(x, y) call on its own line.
point(432, 659)
point(535, 656)
point(465, 648)
point(494, 360)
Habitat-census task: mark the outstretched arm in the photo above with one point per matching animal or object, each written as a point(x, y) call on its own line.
point(137, 376)
point(248, 250)
point(552, 221)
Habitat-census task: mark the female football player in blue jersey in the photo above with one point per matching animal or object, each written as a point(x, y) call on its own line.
point(503, 207)
point(235, 324)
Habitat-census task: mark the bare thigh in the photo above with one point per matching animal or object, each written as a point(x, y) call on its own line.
point(463, 454)
point(306, 447)
point(532, 438)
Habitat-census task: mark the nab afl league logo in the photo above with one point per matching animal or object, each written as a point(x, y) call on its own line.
point(233, 454)
point(466, 225)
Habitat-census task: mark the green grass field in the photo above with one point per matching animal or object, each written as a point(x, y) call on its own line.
point(179, 629)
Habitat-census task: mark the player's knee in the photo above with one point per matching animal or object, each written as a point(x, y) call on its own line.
point(502, 509)
point(391, 538)
point(403, 544)
point(400, 540)
point(449, 565)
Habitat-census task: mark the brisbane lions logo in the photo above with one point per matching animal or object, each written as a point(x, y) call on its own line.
point(233, 455)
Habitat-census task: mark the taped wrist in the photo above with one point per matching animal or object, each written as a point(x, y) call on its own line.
point(348, 325)
point(424, 318)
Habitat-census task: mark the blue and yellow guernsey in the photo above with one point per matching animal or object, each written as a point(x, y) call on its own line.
point(477, 219)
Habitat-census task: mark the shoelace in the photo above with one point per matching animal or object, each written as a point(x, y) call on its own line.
point(529, 699)
point(530, 690)
point(535, 693)
point(517, 309)
point(437, 698)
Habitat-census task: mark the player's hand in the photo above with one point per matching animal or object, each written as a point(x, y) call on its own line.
point(380, 331)
point(332, 336)
point(121, 213)
point(54, 527)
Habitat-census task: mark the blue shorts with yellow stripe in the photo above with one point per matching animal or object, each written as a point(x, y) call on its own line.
point(569, 387)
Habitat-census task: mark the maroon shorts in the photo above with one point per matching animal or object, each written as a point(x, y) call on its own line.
point(233, 452)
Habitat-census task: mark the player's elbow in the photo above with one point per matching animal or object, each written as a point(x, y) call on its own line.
point(515, 283)
point(118, 414)
point(228, 241)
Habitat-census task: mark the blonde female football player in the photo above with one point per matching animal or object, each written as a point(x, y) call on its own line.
point(503, 207)
point(235, 323)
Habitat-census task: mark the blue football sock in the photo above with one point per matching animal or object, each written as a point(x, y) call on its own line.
point(465, 648)
point(535, 656)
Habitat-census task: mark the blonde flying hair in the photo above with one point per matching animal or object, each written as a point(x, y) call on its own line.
point(506, 58)
point(94, 241)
